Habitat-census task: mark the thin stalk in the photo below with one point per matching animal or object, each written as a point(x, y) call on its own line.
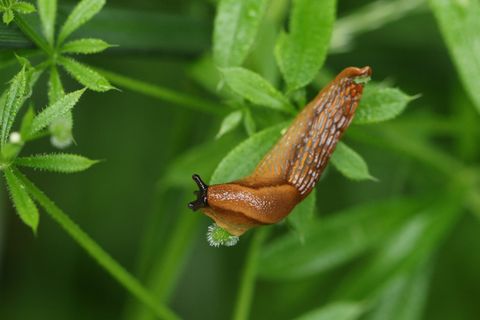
point(2, 222)
point(249, 274)
point(165, 94)
point(168, 266)
point(33, 35)
point(96, 252)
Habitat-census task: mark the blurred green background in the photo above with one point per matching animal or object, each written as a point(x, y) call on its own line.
point(125, 204)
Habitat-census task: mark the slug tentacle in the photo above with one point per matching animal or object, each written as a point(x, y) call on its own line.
point(288, 172)
point(201, 201)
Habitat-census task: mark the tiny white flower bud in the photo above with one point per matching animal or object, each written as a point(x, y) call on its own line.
point(15, 137)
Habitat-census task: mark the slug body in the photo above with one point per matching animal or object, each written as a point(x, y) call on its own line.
point(290, 170)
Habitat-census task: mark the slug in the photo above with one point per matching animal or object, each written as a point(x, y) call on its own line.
point(290, 170)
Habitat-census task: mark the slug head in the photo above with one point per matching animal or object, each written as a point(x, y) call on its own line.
point(216, 235)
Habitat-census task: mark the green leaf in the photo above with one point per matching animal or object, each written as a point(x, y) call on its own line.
point(24, 62)
point(350, 163)
point(368, 17)
point(83, 12)
point(13, 102)
point(236, 25)
point(302, 215)
point(56, 110)
point(379, 104)
point(230, 122)
point(60, 162)
point(47, 9)
point(85, 46)
point(334, 240)
point(27, 123)
point(55, 87)
point(8, 16)
point(249, 122)
point(256, 89)
point(301, 53)
point(32, 75)
point(405, 249)
point(25, 206)
point(337, 311)
point(460, 24)
point(241, 161)
point(23, 7)
point(405, 297)
point(86, 76)
point(3, 101)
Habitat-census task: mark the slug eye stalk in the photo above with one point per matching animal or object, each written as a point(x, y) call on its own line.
point(201, 193)
point(290, 170)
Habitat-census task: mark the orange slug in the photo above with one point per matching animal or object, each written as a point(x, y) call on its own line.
point(290, 170)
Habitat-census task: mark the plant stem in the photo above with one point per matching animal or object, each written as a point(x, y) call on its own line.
point(33, 35)
point(181, 99)
point(247, 281)
point(2, 220)
point(168, 266)
point(95, 251)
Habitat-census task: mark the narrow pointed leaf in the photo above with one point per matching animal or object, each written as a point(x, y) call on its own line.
point(26, 125)
point(405, 297)
point(85, 75)
point(337, 311)
point(3, 102)
point(83, 12)
point(23, 7)
point(249, 122)
point(350, 163)
point(60, 162)
point(236, 25)
point(301, 53)
point(47, 9)
point(13, 101)
point(85, 46)
point(56, 110)
point(256, 89)
point(55, 87)
point(8, 16)
point(24, 205)
point(230, 122)
point(380, 104)
point(408, 247)
point(460, 24)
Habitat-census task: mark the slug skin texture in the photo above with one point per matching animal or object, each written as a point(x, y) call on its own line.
point(290, 170)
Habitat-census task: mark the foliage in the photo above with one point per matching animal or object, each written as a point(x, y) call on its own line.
point(396, 240)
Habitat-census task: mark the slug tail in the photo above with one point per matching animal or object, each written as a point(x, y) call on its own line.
point(303, 152)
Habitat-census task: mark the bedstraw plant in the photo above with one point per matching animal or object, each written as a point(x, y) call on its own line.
point(374, 257)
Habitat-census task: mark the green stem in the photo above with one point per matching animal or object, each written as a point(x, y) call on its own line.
point(95, 251)
point(162, 93)
point(247, 281)
point(33, 35)
point(167, 268)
